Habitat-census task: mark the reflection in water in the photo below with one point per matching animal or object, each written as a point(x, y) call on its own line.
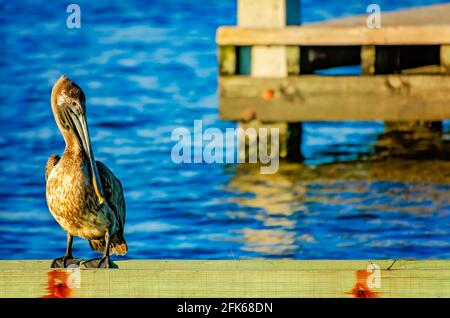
point(275, 200)
point(393, 206)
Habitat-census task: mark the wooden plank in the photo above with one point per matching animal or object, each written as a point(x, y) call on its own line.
point(245, 265)
point(358, 35)
point(252, 278)
point(328, 98)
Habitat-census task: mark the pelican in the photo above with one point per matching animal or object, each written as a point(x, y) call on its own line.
point(82, 194)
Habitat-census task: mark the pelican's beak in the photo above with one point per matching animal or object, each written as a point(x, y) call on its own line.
point(82, 131)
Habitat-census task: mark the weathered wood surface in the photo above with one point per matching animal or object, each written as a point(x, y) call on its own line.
point(445, 59)
point(250, 278)
point(270, 61)
point(423, 25)
point(368, 59)
point(335, 35)
point(326, 98)
point(268, 13)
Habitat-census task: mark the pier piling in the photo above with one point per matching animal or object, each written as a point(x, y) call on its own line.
point(271, 61)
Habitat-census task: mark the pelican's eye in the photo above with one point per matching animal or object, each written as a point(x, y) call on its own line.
point(60, 99)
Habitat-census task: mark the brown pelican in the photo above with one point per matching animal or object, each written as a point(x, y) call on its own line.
point(83, 195)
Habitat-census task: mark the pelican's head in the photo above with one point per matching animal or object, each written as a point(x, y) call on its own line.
point(69, 108)
point(67, 98)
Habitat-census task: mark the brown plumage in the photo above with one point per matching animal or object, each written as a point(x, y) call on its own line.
point(82, 194)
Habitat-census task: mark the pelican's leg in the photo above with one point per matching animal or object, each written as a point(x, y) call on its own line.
point(105, 258)
point(67, 259)
point(100, 262)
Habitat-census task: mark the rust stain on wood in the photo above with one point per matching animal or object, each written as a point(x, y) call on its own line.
point(268, 94)
point(248, 115)
point(57, 285)
point(361, 289)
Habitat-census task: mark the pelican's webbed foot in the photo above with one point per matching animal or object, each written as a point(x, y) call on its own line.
point(103, 262)
point(65, 261)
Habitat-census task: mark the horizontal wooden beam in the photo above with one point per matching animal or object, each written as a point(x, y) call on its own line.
point(249, 278)
point(335, 35)
point(335, 98)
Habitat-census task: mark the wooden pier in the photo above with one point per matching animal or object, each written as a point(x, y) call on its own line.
point(249, 278)
point(268, 69)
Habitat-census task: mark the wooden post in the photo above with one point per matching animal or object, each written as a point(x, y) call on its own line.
point(445, 59)
point(273, 61)
point(368, 58)
point(227, 60)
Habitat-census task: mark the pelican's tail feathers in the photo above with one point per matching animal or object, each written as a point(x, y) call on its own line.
point(118, 245)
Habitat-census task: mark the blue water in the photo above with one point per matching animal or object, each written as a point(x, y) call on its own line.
point(149, 67)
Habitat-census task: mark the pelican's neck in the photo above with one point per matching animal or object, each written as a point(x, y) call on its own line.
point(72, 143)
point(73, 151)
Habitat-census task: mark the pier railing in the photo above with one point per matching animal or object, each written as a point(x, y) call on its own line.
point(248, 278)
point(271, 67)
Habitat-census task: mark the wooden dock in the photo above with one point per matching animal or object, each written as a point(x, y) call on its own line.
point(268, 67)
point(216, 279)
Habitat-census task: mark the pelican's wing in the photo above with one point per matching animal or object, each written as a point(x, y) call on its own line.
point(113, 191)
point(51, 162)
